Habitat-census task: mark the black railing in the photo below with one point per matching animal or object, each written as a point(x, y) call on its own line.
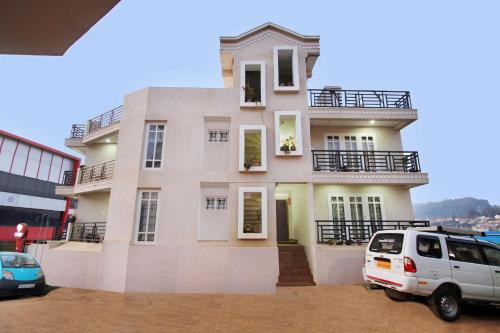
point(77, 131)
point(346, 232)
point(90, 232)
point(359, 98)
point(69, 178)
point(105, 119)
point(357, 160)
point(96, 172)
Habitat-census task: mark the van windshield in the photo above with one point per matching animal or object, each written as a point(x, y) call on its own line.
point(17, 261)
point(387, 243)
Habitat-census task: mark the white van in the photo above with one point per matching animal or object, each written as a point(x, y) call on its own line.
point(436, 263)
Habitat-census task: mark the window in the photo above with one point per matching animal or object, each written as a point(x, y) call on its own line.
point(148, 206)
point(17, 261)
point(288, 133)
point(253, 84)
point(252, 148)
point(252, 213)
point(493, 255)
point(218, 136)
point(216, 203)
point(154, 146)
point(464, 252)
point(387, 243)
point(428, 246)
point(286, 68)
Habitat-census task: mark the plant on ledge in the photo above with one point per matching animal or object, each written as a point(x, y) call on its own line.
point(251, 94)
point(288, 145)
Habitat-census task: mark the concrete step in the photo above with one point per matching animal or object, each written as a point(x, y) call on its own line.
point(295, 284)
point(295, 278)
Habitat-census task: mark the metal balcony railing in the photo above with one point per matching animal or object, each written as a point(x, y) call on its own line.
point(69, 178)
point(90, 232)
point(105, 119)
point(77, 131)
point(359, 98)
point(92, 173)
point(347, 232)
point(372, 161)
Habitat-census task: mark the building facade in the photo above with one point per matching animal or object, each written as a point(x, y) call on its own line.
point(263, 182)
point(29, 173)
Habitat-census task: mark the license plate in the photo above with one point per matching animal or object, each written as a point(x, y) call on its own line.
point(26, 286)
point(383, 264)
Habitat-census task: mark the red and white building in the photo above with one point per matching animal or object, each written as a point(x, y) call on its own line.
point(29, 172)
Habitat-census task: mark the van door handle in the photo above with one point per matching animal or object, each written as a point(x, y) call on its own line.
point(456, 266)
point(498, 272)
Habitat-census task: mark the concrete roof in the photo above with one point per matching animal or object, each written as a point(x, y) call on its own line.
point(269, 26)
point(47, 27)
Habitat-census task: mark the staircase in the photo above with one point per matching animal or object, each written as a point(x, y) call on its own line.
point(294, 268)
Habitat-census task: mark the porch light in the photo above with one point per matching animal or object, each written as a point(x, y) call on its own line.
point(372, 121)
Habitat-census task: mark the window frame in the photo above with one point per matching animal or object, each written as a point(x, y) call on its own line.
point(263, 148)
point(138, 216)
point(145, 146)
point(485, 257)
point(295, 69)
point(432, 238)
point(298, 132)
point(262, 102)
point(241, 208)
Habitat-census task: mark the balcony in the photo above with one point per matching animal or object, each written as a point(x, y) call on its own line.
point(357, 232)
point(88, 232)
point(368, 167)
point(96, 129)
point(91, 178)
point(390, 108)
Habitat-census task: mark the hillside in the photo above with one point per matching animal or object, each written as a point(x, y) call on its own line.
point(464, 207)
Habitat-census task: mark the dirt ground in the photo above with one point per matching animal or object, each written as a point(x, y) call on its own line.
point(304, 309)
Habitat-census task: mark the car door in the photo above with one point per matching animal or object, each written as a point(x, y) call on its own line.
point(469, 270)
point(493, 257)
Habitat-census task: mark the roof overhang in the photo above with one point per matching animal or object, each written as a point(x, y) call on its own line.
point(48, 27)
point(272, 27)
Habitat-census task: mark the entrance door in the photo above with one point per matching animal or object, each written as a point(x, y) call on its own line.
point(282, 220)
point(375, 212)
point(357, 216)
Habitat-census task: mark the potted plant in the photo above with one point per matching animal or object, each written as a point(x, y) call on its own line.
point(293, 147)
point(248, 164)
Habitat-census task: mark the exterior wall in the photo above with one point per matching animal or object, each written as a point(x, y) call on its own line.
point(396, 199)
point(339, 264)
point(385, 138)
point(100, 152)
point(92, 207)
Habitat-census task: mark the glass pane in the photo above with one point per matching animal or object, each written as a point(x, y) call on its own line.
point(157, 164)
point(150, 150)
point(158, 150)
point(151, 237)
point(252, 216)
point(154, 195)
point(149, 164)
point(145, 195)
point(140, 237)
point(161, 127)
point(152, 224)
point(152, 127)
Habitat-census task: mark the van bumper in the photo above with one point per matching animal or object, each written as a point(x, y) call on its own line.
point(407, 285)
point(16, 287)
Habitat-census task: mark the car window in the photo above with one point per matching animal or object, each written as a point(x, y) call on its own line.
point(493, 255)
point(464, 252)
point(387, 243)
point(428, 246)
point(17, 261)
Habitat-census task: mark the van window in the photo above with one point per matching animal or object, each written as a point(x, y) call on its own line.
point(17, 261)
point(387, 243)
point(464, 252)
point(428, 246)
point(493, 255)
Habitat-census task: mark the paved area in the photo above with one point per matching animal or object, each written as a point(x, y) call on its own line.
point(299, 309)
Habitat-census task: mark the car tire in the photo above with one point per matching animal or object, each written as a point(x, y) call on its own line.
point(446, 304)
point(396, 295)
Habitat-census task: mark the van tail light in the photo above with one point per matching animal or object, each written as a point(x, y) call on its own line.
point(409, 265)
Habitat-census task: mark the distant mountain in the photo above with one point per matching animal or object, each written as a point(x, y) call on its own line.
point(464, 207)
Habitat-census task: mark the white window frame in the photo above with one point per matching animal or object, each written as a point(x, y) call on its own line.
point(145, 146)
point(263, 145)
point(241, 211)
point(138, 216)
point(347, 206)
point(342, 140)
point(295, 69)
point(262, 102)
point(298, 133)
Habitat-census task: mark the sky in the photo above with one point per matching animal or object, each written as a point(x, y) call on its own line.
point(446, 53)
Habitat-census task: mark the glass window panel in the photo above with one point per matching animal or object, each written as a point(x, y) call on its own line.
point(151, 237)
point(141, 237)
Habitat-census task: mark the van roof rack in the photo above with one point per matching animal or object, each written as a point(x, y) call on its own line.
point(451, 231)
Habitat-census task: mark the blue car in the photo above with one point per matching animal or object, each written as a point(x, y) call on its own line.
point(20, 275)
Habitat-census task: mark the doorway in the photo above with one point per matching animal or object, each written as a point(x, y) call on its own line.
point(282, 230)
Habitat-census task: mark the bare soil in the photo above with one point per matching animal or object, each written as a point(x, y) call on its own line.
point(295, 309)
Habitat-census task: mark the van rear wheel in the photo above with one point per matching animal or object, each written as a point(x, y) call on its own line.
point(446, 304)
point(396, 295)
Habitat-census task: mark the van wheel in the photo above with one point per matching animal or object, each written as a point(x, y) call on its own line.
point(446, 304)
point(396, 295)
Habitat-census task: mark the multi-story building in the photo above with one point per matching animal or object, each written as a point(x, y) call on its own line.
point(241, 188)
point(29, 173)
